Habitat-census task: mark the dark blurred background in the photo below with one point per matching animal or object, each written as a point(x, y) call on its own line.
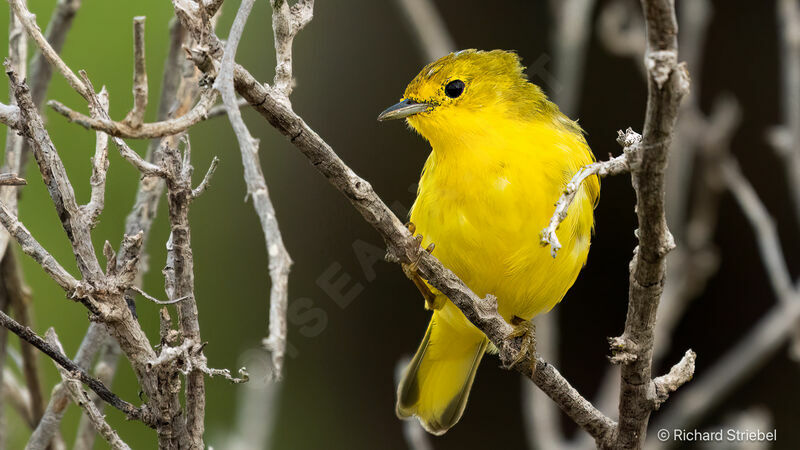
point(353, 60)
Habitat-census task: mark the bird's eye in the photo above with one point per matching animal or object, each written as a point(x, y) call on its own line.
point(454, 88)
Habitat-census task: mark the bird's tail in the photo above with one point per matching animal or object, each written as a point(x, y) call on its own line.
point(436, 383)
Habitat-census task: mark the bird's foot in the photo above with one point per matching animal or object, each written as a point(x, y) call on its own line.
point(432, 301)
point(524, 330)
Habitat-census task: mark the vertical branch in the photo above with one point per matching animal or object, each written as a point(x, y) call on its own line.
point(667, 82)
point(287, 21)
point(179, 279)
point(136, 116)
point(286, 26)
point(99, 168)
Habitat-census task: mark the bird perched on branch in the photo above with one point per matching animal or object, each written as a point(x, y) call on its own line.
point(501, 156)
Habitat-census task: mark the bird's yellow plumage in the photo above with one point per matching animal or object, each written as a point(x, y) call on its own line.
point(501, 156)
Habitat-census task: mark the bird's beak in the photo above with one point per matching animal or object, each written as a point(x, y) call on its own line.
point(404, 109)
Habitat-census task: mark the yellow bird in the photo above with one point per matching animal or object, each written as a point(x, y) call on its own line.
point(501, 156)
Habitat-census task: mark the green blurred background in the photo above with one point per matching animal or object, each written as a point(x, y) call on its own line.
point(353, 60)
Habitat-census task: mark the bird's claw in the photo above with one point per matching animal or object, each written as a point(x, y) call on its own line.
point(526, 330)
point(432, 301)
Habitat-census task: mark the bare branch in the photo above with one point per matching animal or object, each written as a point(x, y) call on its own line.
point(146, 130)
point(285, 26)
point(678, 375)
point(212, 6)
point(99, 168)
point(11, 179)
point(131, 411)
point(179, 282)
point(155, 300)
point(428, 28)
point(28, 21)
point(104, 371)
point(136, 116)
point(79, 396)
point(9, 115)
point(34, 249)
point(668, 83)
point(287, 21)
point(177, 95)
point(57, 406)
point(216, 111)
point(204, 185)
point(613, 166)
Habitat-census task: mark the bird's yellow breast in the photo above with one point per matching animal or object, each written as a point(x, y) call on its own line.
point(484, 197)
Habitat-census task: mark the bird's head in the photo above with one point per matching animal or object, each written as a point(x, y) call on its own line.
point(463, 90)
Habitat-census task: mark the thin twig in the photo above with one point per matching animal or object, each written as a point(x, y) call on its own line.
point(99, 168)
point(206, 183)
point(613, 166)
point(131, 411)
point(57, 406)
point(215, 111)
point(146, 130)
point(155, 300)
point(136, 116)
point(11, 179)
point(79, 396)
point(34, 249)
